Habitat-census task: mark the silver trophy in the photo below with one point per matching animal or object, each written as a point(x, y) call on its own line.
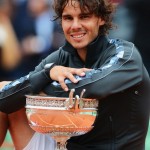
point(61, 117)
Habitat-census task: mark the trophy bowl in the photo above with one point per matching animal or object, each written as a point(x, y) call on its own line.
point(61, 117)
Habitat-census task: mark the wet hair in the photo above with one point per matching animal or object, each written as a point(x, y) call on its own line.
point(100, 8)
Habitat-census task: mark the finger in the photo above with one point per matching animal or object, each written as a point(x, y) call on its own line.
point(80, 72)
point(71, 77)
point(63, 85)
point(86, 69)
point(83, 71)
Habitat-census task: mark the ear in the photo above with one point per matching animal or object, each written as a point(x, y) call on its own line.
point(101, 22)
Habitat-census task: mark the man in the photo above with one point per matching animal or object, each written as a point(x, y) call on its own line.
point(110, 70)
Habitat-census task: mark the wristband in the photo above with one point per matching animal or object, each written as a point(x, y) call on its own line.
point(48, 67)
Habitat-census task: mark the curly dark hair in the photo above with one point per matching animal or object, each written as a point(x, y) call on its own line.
point(101, 8)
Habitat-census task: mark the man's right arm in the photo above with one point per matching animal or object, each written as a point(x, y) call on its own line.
point(12, 95)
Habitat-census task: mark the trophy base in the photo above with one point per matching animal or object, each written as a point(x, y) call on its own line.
point(61, 142)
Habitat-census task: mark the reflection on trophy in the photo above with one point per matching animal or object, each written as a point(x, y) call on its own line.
point(61, 117)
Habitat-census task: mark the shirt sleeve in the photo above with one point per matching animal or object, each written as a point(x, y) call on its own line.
point(12, 95)
point(121, 70)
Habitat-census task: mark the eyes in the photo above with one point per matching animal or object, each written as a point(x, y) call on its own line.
point(82, 17)
point(85, 16)
point(67, 17)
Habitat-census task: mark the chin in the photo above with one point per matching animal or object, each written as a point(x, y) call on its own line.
point(79, 46)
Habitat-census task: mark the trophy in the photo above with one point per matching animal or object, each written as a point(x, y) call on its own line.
point(61, 117)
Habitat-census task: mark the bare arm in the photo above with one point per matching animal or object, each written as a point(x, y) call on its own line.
point(3, 119)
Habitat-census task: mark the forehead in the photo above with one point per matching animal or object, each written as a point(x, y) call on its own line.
point(74, 5)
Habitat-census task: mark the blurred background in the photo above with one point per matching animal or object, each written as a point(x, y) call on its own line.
point(28, 34)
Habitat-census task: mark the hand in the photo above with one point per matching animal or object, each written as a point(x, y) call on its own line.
point(3, 83)
point(60, 73)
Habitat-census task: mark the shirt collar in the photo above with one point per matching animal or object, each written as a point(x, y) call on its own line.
point(94, 49)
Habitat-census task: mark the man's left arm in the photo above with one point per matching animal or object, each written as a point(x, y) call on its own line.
point(118, 73)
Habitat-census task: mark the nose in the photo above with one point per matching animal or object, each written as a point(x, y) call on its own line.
point(76, 24)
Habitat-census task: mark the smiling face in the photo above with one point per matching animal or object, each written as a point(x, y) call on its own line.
point(80, 28)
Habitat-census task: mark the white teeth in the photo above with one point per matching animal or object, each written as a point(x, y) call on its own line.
point(78, 36)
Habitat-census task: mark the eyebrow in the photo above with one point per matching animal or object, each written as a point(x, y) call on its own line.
point(65, 15)
point(84, 13)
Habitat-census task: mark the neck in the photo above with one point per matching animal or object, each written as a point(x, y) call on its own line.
point(82, 54)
